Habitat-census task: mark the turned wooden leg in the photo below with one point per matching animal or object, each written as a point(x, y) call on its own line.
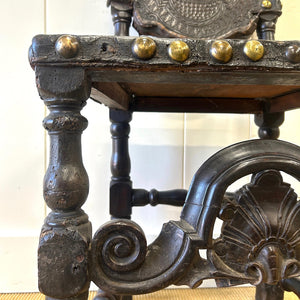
point(268, 19)
point(120, 192)
point(292, 285)
point(120, 185)
point(269, 292)
point(66, 234)
point(101, 295)
point(269, 124)
point(121, 15)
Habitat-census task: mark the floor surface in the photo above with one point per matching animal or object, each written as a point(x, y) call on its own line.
point(243, 293)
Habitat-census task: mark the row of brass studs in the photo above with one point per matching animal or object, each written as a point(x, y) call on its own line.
point(145, 48)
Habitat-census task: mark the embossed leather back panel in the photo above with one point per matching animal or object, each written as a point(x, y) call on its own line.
point(197, 18)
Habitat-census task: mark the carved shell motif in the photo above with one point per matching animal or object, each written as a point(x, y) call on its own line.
point(261, 232)
point(196, 18)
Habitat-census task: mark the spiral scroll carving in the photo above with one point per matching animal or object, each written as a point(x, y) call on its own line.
point(120, 246)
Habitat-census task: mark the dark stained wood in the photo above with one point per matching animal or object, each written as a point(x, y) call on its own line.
point(111, 95)
point(267, 21)
point(142, 197)
point(120, 165)
point(101, 295)
point(292, 285)
point(198, 97)
point(201, 90)
point(268, 256)
point(115, 53)
point(268, 204)
point(289, 80)
point(121, 11)
point(260, 217)
point(122, 81)
point(65, 237)
point(200, 105)
point(268, 124)
point(285, 102)
point(260, 238)
point(269, 292)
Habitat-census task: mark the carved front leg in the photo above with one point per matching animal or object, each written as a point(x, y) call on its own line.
point(66, 234)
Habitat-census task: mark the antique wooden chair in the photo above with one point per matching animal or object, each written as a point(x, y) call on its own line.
point(201, 62)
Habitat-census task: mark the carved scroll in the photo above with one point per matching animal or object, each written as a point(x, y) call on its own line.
point(173, 258)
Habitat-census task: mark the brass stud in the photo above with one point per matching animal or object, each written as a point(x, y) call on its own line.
point(67, 46)
point(179, 51)
point(266, 4)
point(221, 51)
point(293, 54)
point(144, 47)
point(254, 50)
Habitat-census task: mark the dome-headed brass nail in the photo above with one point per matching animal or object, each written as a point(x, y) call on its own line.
point(221, 50)
point(254, 50)
point(266, 4)
point(144, 47)
point(67, 46)
point(293, 54)
point(179, 51)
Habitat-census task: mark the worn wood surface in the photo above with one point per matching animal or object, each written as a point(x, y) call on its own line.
point(258, 244)
point(65, 237)
point(200, 84)
point(119, 260)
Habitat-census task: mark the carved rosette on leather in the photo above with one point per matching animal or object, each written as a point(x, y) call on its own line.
point(66, 235)
point(197, 19)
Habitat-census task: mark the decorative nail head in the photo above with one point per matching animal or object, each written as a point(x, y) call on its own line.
point(292, 53)
point(266, 4)
point(254, 50)
point(179, 51)
point(144, 47)
point(221, 51)
point(67, 46)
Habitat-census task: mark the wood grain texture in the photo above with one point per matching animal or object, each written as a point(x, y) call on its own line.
point(130, 83)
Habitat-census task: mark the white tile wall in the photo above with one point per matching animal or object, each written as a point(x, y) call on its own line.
point(166, 149)
point(22, 149)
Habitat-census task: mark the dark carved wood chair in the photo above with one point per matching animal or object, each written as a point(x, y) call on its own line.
point(201, 62)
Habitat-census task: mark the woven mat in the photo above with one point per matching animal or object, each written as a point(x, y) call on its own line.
point(244, 293)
